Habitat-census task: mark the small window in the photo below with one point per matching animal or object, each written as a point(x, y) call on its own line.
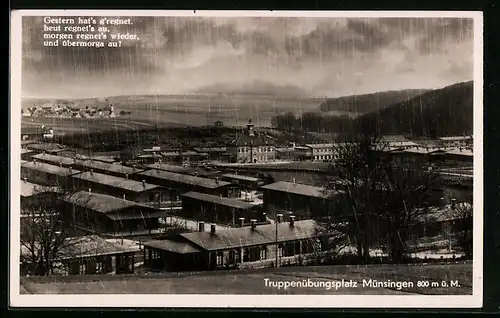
point(220, 258)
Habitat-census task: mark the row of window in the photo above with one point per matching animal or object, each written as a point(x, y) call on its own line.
point(323, 150)
point(326, 157)
point(259, 253)
point(256, 149)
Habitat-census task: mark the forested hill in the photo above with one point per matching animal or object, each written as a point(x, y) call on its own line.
point(442, 112)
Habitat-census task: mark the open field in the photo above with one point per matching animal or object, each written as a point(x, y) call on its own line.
point(252, 282)
point(195, 110)
point(83, 125)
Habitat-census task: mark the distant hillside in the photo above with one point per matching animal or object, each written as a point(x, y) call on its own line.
point(442, 112)
point(362, 104)
point(255, 88)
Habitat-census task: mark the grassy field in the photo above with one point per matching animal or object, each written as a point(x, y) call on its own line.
point(253, 282)
point(89, 125)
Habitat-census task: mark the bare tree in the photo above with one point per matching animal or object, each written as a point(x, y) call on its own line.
point(43, 238)
point(380, 198)
point(462, 217)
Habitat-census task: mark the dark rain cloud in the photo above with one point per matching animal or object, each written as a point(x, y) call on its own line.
point(293, 43)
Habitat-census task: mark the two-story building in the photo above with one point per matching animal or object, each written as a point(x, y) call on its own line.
point(251, 146)
point(321, 152)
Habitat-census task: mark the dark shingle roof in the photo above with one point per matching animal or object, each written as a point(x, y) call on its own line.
point(101, 202)
point(240, 177)
point(86, 246)
point(245, 236)
point(116, 182)
point(183, 178)
point(56, 160)
point(173, 246)
point(297, 188)
point(167, 167)
point(105, 166)
point(234, 203)
point(48, 168)
point(50, 147)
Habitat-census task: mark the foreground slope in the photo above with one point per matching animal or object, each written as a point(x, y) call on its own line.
point(253, 282)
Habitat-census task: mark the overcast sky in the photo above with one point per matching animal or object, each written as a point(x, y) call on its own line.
point(320, 56)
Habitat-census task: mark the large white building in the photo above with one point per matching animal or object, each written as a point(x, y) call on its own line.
point(250, 146)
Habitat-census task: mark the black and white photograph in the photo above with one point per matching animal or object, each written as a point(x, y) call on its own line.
point(246, 159)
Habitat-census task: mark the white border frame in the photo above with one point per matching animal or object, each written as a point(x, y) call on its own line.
point(245, 301)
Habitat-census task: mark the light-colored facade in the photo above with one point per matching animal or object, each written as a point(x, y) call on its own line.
point(251, 147)
point(321, 152)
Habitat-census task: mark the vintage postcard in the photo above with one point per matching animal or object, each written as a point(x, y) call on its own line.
point(246, 159)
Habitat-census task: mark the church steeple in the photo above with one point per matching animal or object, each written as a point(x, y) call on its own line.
point(250, 128)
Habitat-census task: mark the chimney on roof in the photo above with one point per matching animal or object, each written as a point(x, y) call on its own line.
point(442, 203)
point(217, 180)
point(292, 220)
point(92, 171)
point(70, 170)
point(124, 197)
point(212, 229)
point(264, 218)
point(25, 179)
point(293, 180)
point(242, 222)
point(144, 183)
point(201, 227)
point(254, 223)
point(60, 164)
point(90, 190)
point(453, 203)
point(280, 218)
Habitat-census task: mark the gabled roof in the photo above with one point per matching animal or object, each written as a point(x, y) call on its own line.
point(424, 151)
point(210, 149)
point(28, 189)
point(116, 182)
point(455, 138)
point(54, 159)
point(461, 152)
point(229, 202)
point(183, 178)
point(297, 188)
point(393, 138)
point(240, 177)
point(102, 203)
point(48, 168)
point(49, 147)
point(244, 236)
point(320, 146)
point(167, 167)
point(172, 246)
point(243, 139)
point(105, 166)
point(86, 246)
